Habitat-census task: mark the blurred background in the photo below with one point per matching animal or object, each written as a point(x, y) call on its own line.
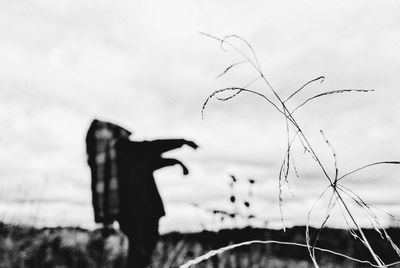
point(144, 65)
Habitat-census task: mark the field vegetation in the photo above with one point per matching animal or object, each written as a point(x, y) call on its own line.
point(23, 246)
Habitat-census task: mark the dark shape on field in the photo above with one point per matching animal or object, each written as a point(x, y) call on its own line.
point(123, 185)
point(100, 147)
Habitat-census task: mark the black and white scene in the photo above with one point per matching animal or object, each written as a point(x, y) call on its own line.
point(194, 134)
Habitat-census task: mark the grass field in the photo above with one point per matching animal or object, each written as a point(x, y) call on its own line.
point(74, 247)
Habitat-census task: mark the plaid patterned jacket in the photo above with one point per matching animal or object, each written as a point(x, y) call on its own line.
point(100, 146)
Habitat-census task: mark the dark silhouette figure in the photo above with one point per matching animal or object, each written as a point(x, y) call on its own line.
point(139, 204)
point(100, 146)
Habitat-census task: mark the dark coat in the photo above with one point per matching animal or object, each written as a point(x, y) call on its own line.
point(138, 191)
point(100, 147)
point(140, 201)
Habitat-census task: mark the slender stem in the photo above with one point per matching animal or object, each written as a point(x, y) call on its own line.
point(294, 122)
point(365, 240)
point(289, 118)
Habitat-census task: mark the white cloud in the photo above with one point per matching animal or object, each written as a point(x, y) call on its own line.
point(143, 65)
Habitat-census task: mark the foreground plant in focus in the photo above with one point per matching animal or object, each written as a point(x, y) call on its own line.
point(339, 195)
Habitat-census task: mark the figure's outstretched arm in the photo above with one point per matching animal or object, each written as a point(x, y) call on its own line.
point(161, 146)
point(165, 162)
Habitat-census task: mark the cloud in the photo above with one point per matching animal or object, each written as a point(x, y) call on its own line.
point(143, 65)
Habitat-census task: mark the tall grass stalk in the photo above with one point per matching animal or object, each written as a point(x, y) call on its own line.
point(215, 252)
point(337, 190)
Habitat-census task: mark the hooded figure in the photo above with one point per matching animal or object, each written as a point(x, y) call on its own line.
point(100, 146)
point(132, 198)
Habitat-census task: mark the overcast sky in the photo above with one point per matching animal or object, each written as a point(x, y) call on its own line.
point(143, 65)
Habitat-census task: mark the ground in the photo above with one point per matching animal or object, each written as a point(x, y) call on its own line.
point(22, 246)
